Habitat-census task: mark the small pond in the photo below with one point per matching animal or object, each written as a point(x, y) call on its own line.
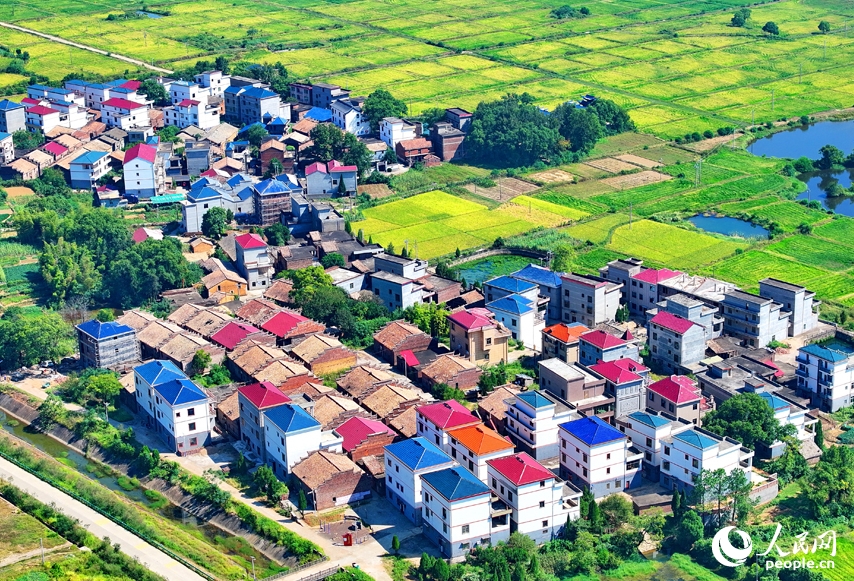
point(806, 141)
point(728, 226)
point(149, 14)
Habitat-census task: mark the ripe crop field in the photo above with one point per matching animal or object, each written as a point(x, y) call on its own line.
point(678, 66)
point(597, 231)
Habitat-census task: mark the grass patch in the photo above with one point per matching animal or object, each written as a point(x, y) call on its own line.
point(597, 231)
point(19, 532)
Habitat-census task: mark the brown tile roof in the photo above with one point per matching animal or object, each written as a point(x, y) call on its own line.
point(373, 465)
point(157, 333)
point(279, 371)
point(395, 332)
point(446, 367)
point(183, 347)
point(386, 399)
point(254, 356)
point(59, 130)
point(494, 404)
point(315, 346)
point(329, 406)
point(68, 141)
point(221, 276)
point(136, 319)
point(279, 291)
point(304, 126)
point(229, 407)
point(256, 311)
point(312, 389)
point(320, 466)
point(208, 322)
point(405, 423)
point(184, 313)
point(360, 379)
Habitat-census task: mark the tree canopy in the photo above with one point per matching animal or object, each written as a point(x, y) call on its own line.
point(381, 104)
point(26, 339)
point(771, 28)
point(155, 92)
point(748, 418)
point(332, 143)
point(215, 223)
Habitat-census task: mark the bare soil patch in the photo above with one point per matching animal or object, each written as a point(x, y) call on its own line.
point(611, 164)
point(376, 191)
point(19, 192)
point(638, 160)
point(505, 189)
point(709, 144)
point(636, 179)
point(552, 176)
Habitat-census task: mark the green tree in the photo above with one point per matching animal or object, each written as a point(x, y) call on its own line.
point(740, 18)
point(201, 360)
point(803, 164)
point(432, 318)
point(622, 314)
point(580, 127)
point(214, 223)
point(615, 510)
point(276, 166)
point(277, 234)
point(302, 502)
point(563, 258)
point(690, 530)
point(332, 259)
point(818, 438)
point(381, 104)
point(563, 12)
point(613, 118)
point(824, 26)
point(676, 504)
point(68, 269)
point(256, 134)
point(395, 544)
point(266, 481)
point(491, 378)
point(27, 140)
point(306, 282)
point(332, 143)
point(827, 487)
point(105, 315)
point(104, 388)
point(28, 339)
point(51, 412)
point(748, 418)
point(154, 91)
point(830, 156)
point(771, 28)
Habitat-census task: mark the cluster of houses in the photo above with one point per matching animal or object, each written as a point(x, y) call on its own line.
point(89, 128)
point(599, 419)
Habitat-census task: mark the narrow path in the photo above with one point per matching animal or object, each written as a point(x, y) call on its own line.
point(17, 558)
point(98, 525)
point(50, 37)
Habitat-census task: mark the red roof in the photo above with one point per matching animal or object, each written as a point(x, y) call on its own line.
point(232, 334)
point(188, 103)
point(676, 388)
point(120, 103)
point(282, 322)
point(142, 151)
point(653, 276)
point(250, 240)
point(337, 166)
point(55, 148)
point(614, 373)
point(30, 101)
point(409, 357)
point(447, 414)
point(521, 469)
point(566, 333)
point(315, 167)
point(41, 110)
point(263, 395)
point(356, 430)
point(132, 85)
point(631, 365)
point(139, 235)
point(673, 322)
point(602, 340)
point(470, 320)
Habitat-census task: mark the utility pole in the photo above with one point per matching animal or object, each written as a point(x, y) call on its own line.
point(253, 568)
point(800, 72)
point(41, 546)
point(772, 99)
point(698, 169)
point(631, 208)
point(825, 49)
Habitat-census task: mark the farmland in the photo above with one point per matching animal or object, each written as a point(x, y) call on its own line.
point(677, 66)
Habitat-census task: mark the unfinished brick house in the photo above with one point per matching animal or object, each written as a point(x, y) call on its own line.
point(324, 355)
point(451, 370)
point(399, 336)
point(362, 380)
point(364, 437)
point(332, 410)
point(330, 480)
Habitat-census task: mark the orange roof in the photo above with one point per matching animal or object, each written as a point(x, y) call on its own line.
point(480, 439)
point(566, 333)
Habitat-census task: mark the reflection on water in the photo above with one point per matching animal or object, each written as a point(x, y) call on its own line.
point(728, 226)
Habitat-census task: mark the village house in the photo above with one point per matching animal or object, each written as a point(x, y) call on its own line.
point(253, 260)
point(532, 420)
point(757, 320)
point(363, 380)
point(332, 409)
point(797, 300)
point(541, 504)
point(435, 419)
point(405, 463)
point(124, 114)
point(279, 291)
point(87, 168)
point(290, 435)
point(13, 117)
point(225, 284)
point(676, 344)
point(143, 174)
point(410, 151)
point(330, 179)
point(693, 310)
point(323, 354)
point(107, 345)
point(598, 457)
point(520, 315)
point(317, 94)
point(178, 410)
point(274, 149)
point(399, 336)
point(574, 384)
point(252, 103)
point(329, 480)
point(550, 286)
point(199, 156)
point(458, 512)
point(21, 169)
point(7, 148)
point(272, 197)
point(394, 130)
point(625, 381)
point(597, 346)
point(289, 326)
point(348, 116)
point(390, 400)
point(364, 437)
point(476, 335)
point(493, 408)
point(588, 299)
point(448, 141)
point(250, 357)
point(644, 291)
point(41, 118)
point(253, 401)
point(228, 416)
point(677, 395)
point(450, 370)
point(232, 333)
point(473, 446)
point(561, 341)
point(192, 112)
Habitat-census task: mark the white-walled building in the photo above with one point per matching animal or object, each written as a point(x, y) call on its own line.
point(253, 400)
point(290, 435)
point(686, 454)
point(795, 299)
point(405, 462)
point(215, 81)
point(394, 130)
point(522, 318)
point(253, 260)
point(435, 419)
point(191, 112)
point(532, 422)
point(41, 118)
point(540, 503)
point(87, 168)
point(588, 299)
point(458, 512)
point(474, 446)
point(348, 116)
point(826, 373)
point(144, 174)
point(178, 410)
point(124, 114)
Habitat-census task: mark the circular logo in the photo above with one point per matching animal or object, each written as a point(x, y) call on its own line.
point(725, 553)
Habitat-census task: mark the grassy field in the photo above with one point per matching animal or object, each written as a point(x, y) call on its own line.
point(678, 66)
point(20, 533)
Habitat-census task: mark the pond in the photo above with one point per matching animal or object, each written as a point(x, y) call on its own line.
point(487, 268)
point(728, 226)
point(149, 14)
point(805, 141)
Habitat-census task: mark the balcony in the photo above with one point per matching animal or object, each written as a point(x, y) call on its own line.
point(802, 372)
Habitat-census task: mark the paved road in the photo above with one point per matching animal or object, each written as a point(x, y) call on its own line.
point(98, 525)
point(53, 38)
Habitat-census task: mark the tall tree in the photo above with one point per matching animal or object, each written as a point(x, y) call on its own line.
point(27, 339)
point(332, 143)
point(154, 91)
point(580, 127)
point(771, 28)
point(215, 223)
point(68, 270)
point(381, 104)
point(748, 418)
point(824, 26)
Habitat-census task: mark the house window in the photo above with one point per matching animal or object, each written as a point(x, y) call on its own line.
point(608, 456)
point(607, 470)
point(191, 412)
point(695, 463)
point(444, 514)
point(649, 441)
point(444, 528)
point(617, 483)
point(465, 529)
point(194, 441)
point(667, 450)
point(542, 504)
point(542, 483)
point(545, 523)
point(192, 426)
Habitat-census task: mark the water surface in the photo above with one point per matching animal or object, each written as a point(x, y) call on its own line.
point(728, 226)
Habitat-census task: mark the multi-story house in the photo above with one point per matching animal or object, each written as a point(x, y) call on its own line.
point(459, 118)
point(348, 116)
point(236, 194)
point(574, 384)
point(395, 291)
point(589, 300)
point(253, 260)
point(7, 148)
point(405, 463)
point(290, 435)
point(186, 90)
point(412, 268)
point(597, 456)
point(825, 375)
point(124, 114)
point(679, 396)
point(448, 141)
point(625, 381)
point(394, 130)
point(144, 174)
point(473, 446)
point(107, 344)
point(646, 431)
point(178, 410)
point(505, 286)
point(87, 168)
point(458, 512)
point(272, 197)
point(215, 81)
point(788, 413)
point(318, 94)
point(755, 319)
point(330, 179)
point(253, 401)
point(435, 419)
point(550, 286)
point(532, 421)
point(41, 118)
point(199, 154)
point(643, 290)
point(796, 299)
point(685, 454)
point(597, 346)
point(541, 504)
point(476, 335)
point(247, 104)
point(693, 310)
point(519, 314)
point(675, 343)
point(13, 117)
point(191, 112)
point(561, 341)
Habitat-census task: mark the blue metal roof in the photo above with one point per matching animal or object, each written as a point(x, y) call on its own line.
point(649, 419)
point(825, 353)
point(696, 439)
point(7, 105)
point(98, 86)
point(248, 127)
point(121, 90)
point(158, 371)
point(89, 157)
point(418, 453)
point(203, 182)
point(290, 418)
point(508, 283)
point(237, 179)
point(153, 140)
point(455, 483)
point(99, 330)
point(279, 121)
point(318, 114)
point(180, 391)
point(511, 304)
point(4, 135)
point(538, 275)
point(258, 93)
point(534, 399)
point(245, 192)
point(271, 186)
point(233, 90)
point(116, 82)
point(235, 144)
point(774, 401)
point(206, 193)
point(40, 87)
point(592, 431)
